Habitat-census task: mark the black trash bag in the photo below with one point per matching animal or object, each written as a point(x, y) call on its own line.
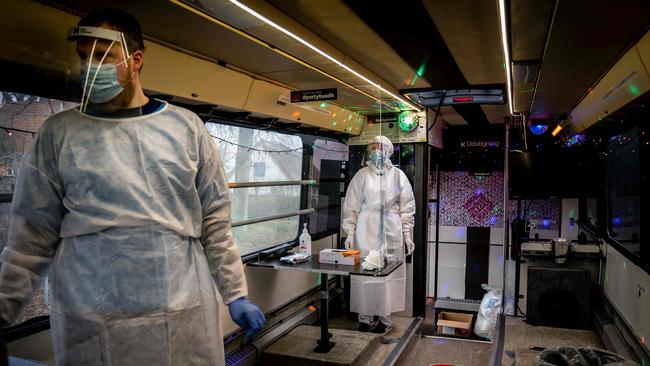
point(587, 356)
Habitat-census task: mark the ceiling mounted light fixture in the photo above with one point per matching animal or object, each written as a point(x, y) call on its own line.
point(322, 53)
point(557, 129)
point(506, 52)
point(538, 128)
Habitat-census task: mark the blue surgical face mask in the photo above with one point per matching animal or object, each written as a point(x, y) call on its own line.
point(378, 158)
point(106, 86)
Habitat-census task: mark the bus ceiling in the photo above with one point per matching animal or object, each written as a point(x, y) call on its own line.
point(248, 56)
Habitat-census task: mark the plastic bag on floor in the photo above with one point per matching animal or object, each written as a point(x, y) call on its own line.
point(571, 356)
point(488, 313)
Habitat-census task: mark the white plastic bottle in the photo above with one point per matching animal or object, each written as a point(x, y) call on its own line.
point(305, 241)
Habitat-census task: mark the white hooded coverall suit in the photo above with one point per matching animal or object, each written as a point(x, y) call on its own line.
point(379, 296)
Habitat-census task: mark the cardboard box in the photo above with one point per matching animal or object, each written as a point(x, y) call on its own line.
point(455, 324)
point(340, 256)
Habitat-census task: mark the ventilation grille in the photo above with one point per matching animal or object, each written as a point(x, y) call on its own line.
point(458, 304)
point(240, 356)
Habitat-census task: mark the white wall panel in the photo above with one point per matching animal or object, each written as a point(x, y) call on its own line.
point(453, 234)
point(627, 286)
point(451, 271)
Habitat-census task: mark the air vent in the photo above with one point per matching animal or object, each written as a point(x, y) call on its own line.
point(524, 72)
point(243, 356)
point(458, 304)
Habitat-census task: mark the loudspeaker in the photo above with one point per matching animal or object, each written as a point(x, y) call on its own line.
point(558, 297)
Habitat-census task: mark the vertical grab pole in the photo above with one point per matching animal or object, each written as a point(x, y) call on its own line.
point(506, 228)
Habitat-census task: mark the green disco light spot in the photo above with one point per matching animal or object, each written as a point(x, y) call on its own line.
point(408, 121)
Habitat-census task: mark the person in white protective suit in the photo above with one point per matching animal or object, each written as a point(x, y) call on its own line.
point(375, 189)
point(126, 197)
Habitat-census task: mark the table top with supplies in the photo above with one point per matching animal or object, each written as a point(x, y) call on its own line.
point(316, 267)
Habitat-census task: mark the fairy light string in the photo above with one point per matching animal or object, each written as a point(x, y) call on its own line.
point(279, 152)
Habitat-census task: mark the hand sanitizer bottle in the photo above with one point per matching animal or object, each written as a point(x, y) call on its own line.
point(305, 241)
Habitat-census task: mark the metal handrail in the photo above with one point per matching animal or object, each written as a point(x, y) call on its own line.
point(277, 183)
point(272, 217)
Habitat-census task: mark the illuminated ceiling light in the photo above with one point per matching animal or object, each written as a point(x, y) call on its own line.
point(538, 129)
point(213, 19)
point(506, 53)
point(320, 52)
point(557, 130)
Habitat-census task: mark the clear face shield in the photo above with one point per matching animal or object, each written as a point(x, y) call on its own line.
point(99, 81)
point(389, 244)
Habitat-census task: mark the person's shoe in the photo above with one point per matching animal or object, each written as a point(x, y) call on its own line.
point(381, 328)
point(365, 327)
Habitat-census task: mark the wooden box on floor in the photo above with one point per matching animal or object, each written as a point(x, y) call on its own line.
point(455, 324)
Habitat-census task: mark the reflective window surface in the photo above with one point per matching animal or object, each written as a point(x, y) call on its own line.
point(252, 155)
point(623, 189)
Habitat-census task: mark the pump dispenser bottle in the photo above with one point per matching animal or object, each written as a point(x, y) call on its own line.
point(305, 241)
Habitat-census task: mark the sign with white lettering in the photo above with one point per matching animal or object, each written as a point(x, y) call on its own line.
point(316, 95)
point(480, 144)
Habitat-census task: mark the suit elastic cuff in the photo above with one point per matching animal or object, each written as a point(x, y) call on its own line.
point(234, 297)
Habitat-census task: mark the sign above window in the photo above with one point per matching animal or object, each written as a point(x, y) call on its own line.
point(316, 95)
point(437, 97)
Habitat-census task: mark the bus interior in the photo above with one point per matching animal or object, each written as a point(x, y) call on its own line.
point(518, 123)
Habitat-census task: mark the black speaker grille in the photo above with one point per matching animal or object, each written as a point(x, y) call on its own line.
point(558, 297)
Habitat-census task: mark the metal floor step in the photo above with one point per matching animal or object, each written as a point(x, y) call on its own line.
point(457, 304)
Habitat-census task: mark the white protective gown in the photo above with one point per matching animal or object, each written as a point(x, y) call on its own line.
point(379, 296)
point(134, 214)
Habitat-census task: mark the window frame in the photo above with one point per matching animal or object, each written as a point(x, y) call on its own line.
point(641, 259)
point(308, 137)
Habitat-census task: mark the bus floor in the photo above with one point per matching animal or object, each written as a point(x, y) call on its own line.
point(427, 351)
point(423, 351)
point(525, 341)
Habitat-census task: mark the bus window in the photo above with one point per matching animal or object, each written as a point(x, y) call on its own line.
point(623, 189)
point(21, 116)
point(251, 155)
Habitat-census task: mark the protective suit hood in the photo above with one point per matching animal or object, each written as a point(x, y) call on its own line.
point(386, 145)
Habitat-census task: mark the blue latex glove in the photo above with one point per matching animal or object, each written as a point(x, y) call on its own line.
point(247, 315)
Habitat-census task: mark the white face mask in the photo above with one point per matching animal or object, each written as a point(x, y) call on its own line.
point(105, 85)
